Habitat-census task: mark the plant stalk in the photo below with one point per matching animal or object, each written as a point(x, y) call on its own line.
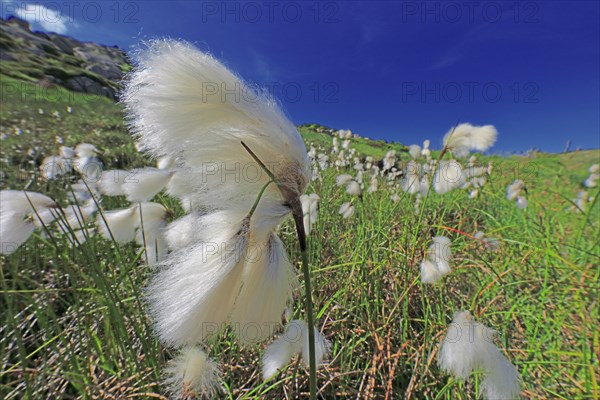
point(296, 207)
point(309, 304)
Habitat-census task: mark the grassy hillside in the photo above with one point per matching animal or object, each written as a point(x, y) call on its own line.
point(74, 323)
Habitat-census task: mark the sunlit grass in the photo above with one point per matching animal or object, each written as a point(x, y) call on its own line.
point(74, 325)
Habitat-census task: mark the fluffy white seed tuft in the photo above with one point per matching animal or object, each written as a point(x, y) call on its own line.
point(192, 374)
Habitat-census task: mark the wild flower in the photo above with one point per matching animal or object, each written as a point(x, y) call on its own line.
point(346, 210)
point(425, 152)
point(192, 375)
point(82, 192)
point(411, 179)
point(312, 152)
point(143, 222)
point(437, 261)
point(342, 180)
point(310, 203)
point(323, 160)
point(414, 150)
point(144, 183)
point(465, 137)
point(515, 191)
point(467, 347)
point(236, 271)
point(373, 184)
point(294, 340)
point(165, 163)
point(449, 176)
point(389, 160)
point(21, 213)
point(183, 231)
point(86, 162)
point(592, 180)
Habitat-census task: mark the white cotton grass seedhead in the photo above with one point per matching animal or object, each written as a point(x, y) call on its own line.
point(373, 185)
point(429, 272)
point(343, 179)
point(165, 163)
point(449, 176)
point(293, 341)
point(277, 355)
point(514, 189)
point(463, 346)
point(414, 150)
point(437, 261)
point(353, 188)
point(236, 273)
point(267, 282)
point(77, 216)
point(465, 137)
point(182, 232)
point(192, 374)
point(389, 160)
point(468, 346)
point(66, 153)
point(82, 192)
point(425, 152)
point(21, 213)
point(144, 183)
point(592, 180)
point(502, 380)
point(117, 224)
point(86, 162)
point(111, 182)
point(179, 103)
point(411, 180)
point(346, 210)
point(312, 152)
point(53, 167)
point(310, 207)
point(15, 229)
point(22, 201)
point(522, 202)
point(150, 224)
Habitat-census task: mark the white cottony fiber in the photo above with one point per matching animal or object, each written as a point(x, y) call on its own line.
point(469, 346)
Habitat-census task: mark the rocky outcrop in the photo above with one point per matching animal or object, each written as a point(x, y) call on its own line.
point(50, 57)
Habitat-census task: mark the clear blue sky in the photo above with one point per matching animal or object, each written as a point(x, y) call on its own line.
point(395, 70)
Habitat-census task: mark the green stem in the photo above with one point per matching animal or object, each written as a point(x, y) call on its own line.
point(309, 306)
point(258, 199)
point(296, 208)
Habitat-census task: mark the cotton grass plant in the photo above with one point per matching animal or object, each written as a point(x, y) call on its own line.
point(172, 116)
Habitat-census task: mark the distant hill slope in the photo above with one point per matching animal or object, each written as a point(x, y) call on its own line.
point(50, 58)
point(45, 60)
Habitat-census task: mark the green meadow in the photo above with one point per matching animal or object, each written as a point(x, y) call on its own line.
point(74, 322)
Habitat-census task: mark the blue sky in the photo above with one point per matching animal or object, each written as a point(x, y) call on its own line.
point(395, 70)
